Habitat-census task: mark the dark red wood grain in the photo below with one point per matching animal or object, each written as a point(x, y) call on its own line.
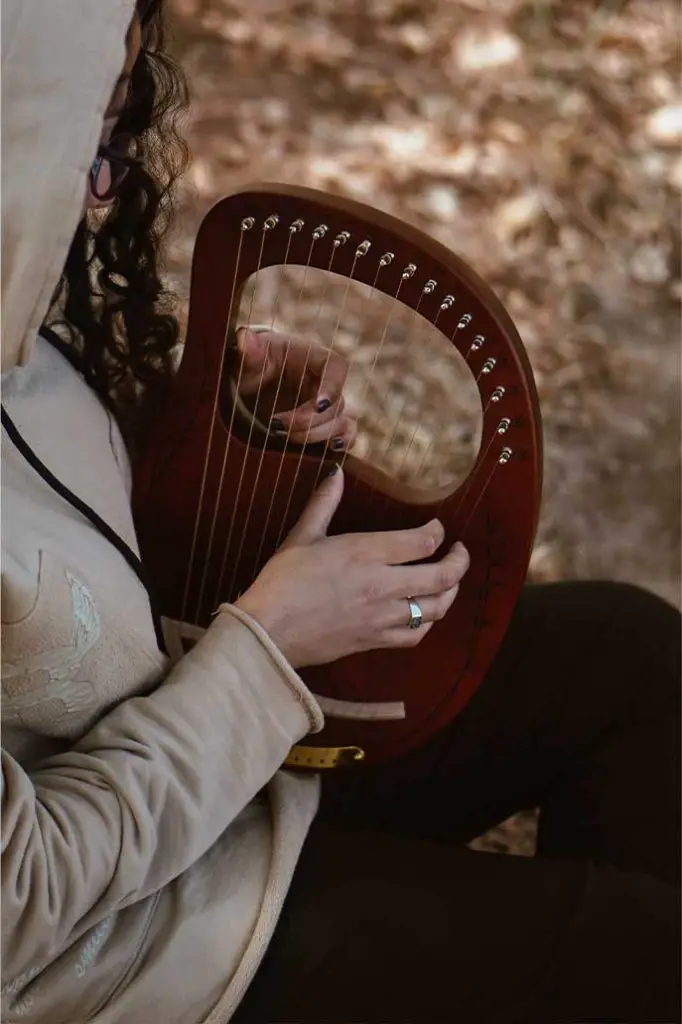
point(437, 678)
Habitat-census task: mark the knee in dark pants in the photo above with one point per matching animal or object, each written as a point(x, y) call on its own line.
point(620, 956)
point(653, 625)
point(641, 605)
point(643, 631)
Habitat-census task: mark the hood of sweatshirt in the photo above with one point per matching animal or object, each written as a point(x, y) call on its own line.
point(60, 63)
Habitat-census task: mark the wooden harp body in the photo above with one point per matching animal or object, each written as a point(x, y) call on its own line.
point(212, 499)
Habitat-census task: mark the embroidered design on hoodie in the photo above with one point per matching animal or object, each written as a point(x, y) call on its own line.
point(21, 1006)
point(20, 1002)
point(92, 946)
point(50, 678)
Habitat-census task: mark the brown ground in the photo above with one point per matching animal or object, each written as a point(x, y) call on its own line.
point(538, 139)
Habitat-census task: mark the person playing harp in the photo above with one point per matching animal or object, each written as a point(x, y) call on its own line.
point(158, 862)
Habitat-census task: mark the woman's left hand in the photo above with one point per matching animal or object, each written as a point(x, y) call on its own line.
point(296, 385)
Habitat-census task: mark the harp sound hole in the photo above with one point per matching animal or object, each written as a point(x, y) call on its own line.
point(412, 394)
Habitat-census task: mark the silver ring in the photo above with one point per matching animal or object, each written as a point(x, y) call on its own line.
point(416, 616)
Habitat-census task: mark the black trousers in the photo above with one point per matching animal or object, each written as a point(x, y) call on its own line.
point(391, 918)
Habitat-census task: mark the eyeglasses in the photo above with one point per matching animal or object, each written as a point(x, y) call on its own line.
point(111, 167)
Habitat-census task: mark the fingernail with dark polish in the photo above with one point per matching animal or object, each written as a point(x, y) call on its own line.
point(323, 405)
point(276, 425)
point(337, 444)
point(334, 470)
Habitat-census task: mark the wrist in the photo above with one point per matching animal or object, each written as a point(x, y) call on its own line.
point(257, 611)
point(268, 621)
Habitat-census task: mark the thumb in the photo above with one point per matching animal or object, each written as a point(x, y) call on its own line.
point(251, 348)
point(257, 365)
point(319, 511)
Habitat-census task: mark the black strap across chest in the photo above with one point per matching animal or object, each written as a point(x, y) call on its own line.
point(77, 503)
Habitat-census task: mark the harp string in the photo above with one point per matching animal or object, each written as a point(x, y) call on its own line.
point(361, 251)
point(216, 506)
point(369, 377)
point(269, 224)
point(465, 490)
point(246, 225)
point(383, 262)
point(287, 438)
point(502, 427)
point(502, 460)
point(407, 273)
point(426, 290)
point(496, 395)
point(236, 561)
point(408, 447)
point(475, 345)
point(446, 304)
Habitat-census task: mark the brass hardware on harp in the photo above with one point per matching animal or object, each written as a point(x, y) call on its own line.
point(296, 226)
point(447, 303)
point(317, 758)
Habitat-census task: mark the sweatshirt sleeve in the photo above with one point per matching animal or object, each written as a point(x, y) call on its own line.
point(145, 793)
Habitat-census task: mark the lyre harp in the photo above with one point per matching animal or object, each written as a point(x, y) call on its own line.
point(212, 499)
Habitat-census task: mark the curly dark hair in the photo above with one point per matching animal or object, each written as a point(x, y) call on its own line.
point(111, 300)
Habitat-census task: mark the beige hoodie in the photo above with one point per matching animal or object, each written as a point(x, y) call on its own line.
point(148, 838)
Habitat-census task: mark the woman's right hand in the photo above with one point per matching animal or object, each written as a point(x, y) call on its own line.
point(320, 598)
